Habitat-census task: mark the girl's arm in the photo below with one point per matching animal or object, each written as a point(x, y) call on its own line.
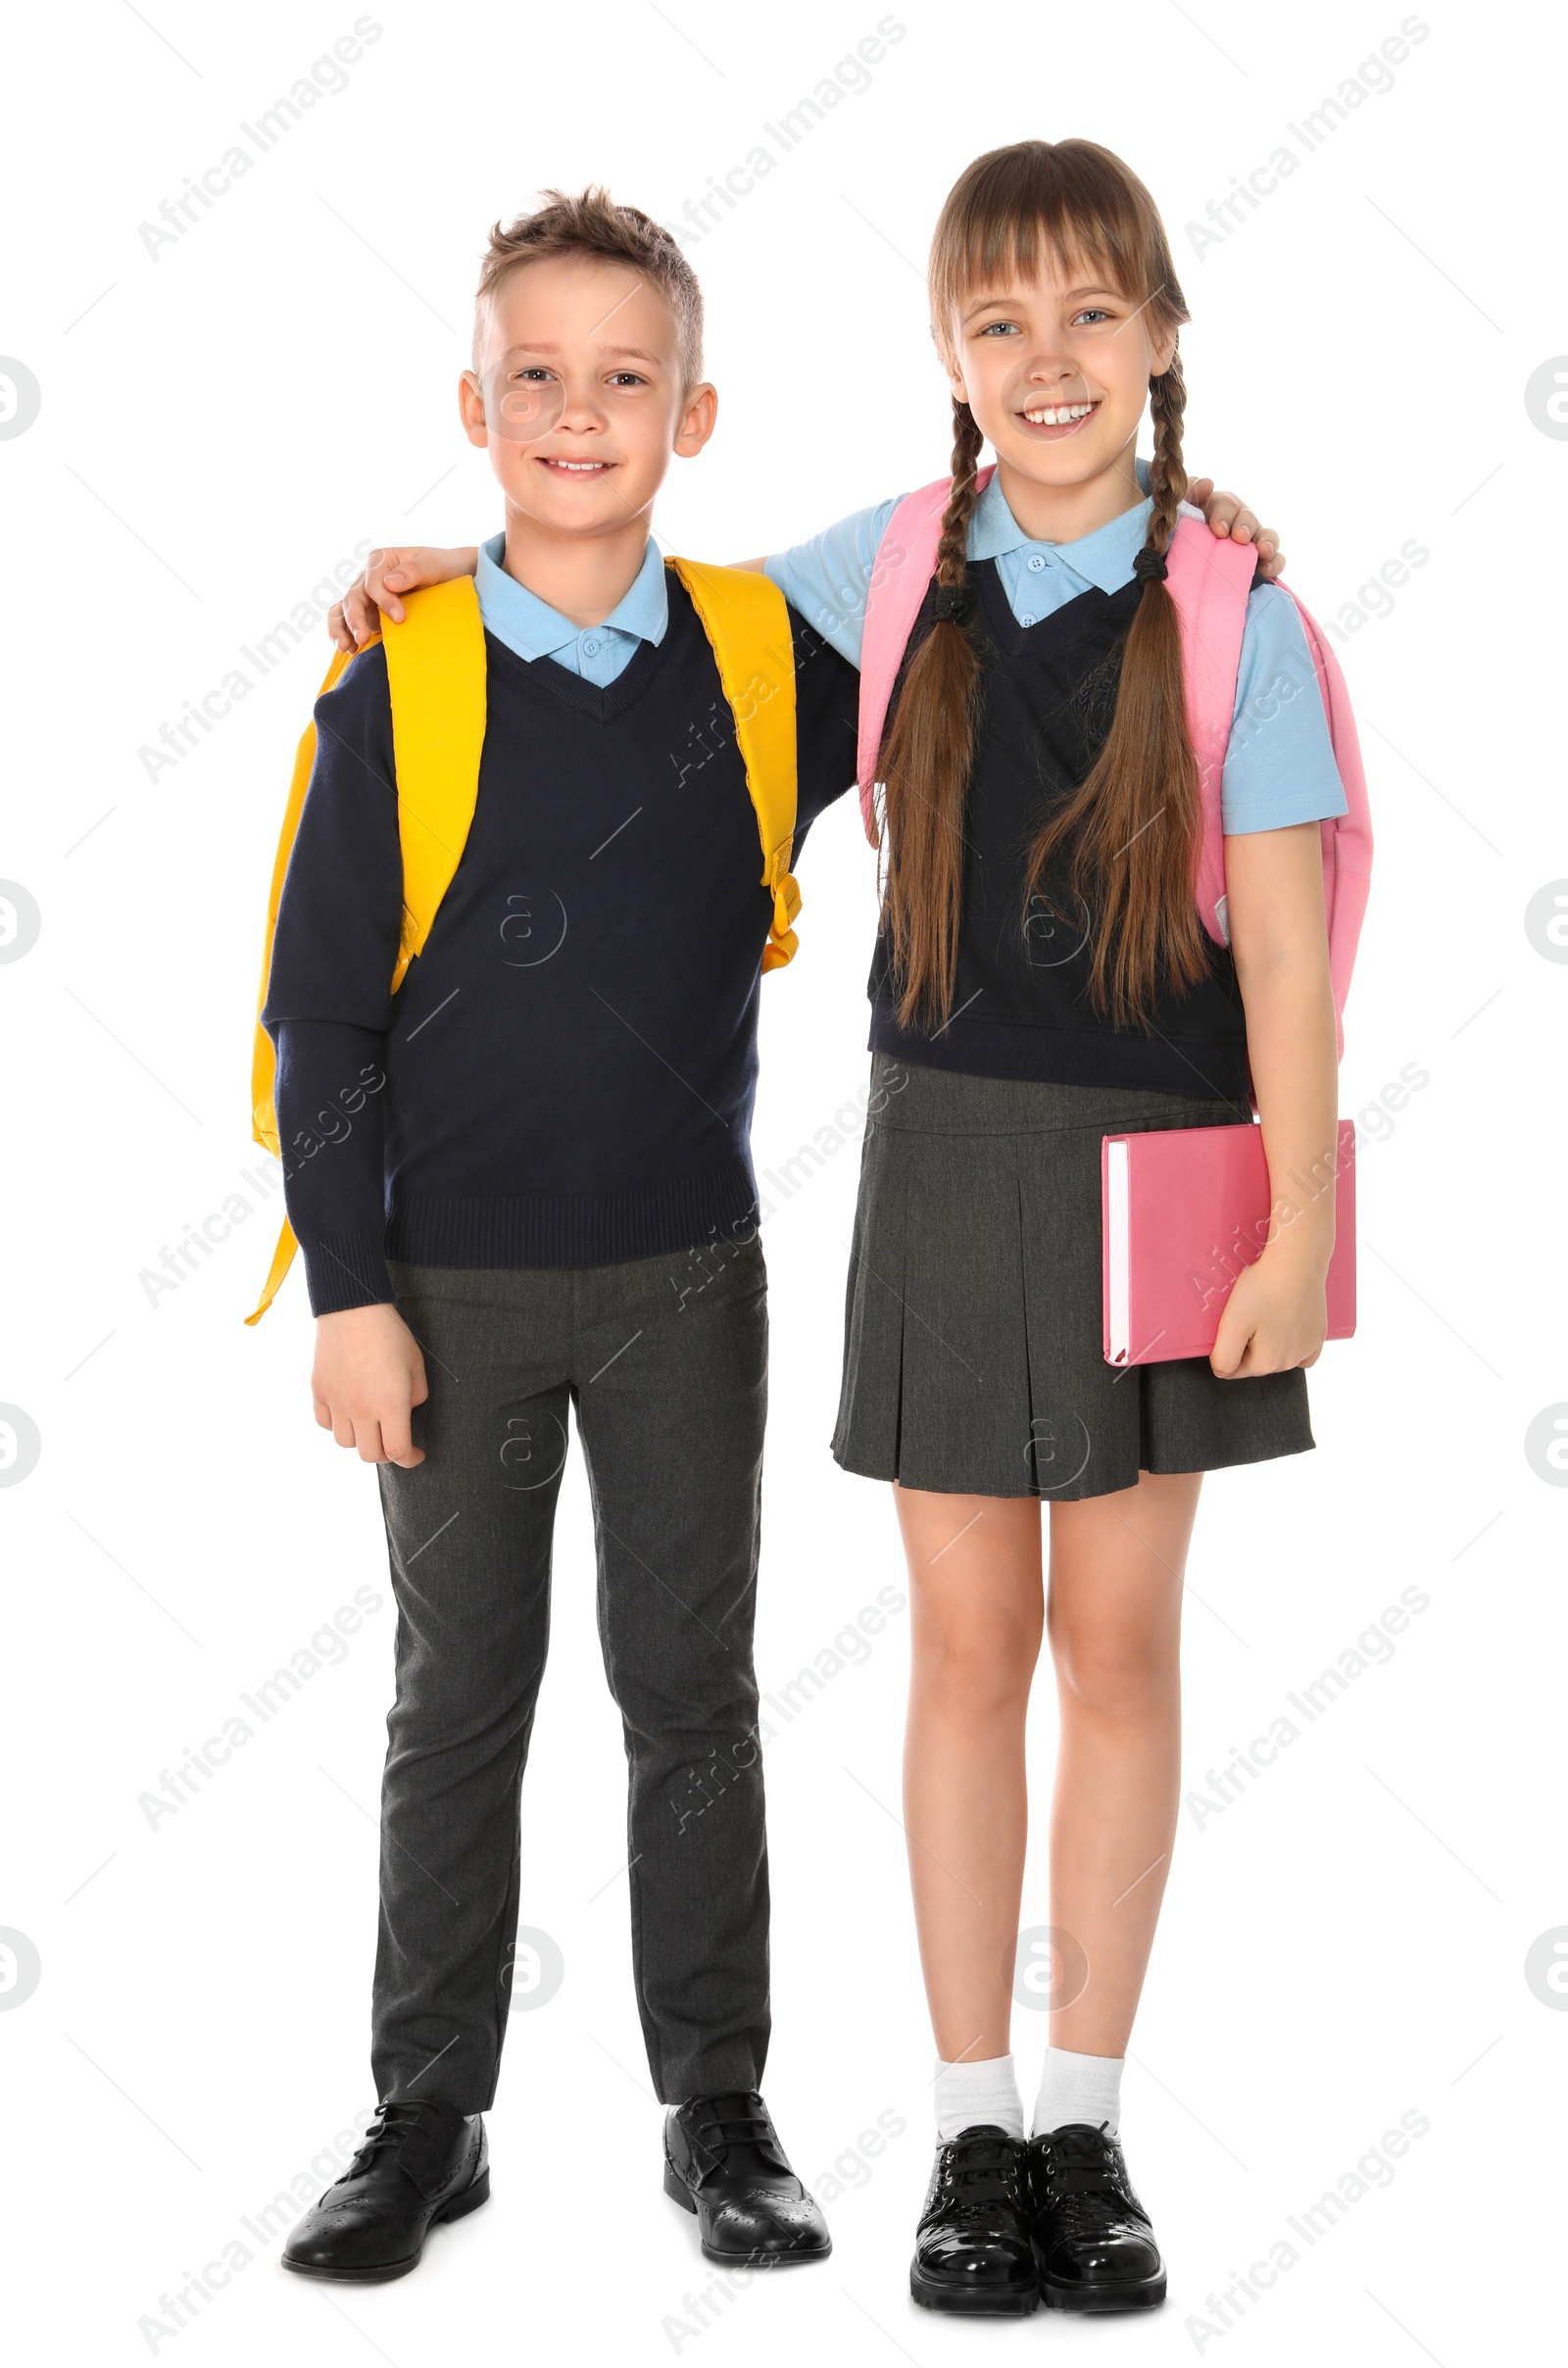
point(357, 615)
point(404, 568)
point(1275, 1316)
point(1225, 514)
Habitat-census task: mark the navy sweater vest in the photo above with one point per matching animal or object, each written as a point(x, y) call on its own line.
point(566, 1076)
point(1021, 1008)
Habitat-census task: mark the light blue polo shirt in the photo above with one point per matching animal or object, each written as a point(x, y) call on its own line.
point(531, 629)
point(1279, 766)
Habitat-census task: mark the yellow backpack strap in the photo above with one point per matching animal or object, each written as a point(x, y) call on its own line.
point(747, 626)
point(435, 666)
point(436, 673)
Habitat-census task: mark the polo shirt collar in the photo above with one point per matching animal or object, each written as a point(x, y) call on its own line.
point(532, 628)
point(1104, 558)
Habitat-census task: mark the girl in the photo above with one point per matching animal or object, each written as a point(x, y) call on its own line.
point(1040, 979)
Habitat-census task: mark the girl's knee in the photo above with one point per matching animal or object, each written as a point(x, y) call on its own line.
point(1115, 1675)
point(984, 1666)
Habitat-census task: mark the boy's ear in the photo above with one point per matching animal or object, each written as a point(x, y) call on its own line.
point(698, 414)
point(471, 408)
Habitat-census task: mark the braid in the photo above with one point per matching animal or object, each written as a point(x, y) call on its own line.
point(952, 550)
point(1167, 476)
point(1129, 831)
point(927, 758)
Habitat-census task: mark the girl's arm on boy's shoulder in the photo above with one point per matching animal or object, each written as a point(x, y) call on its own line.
point(1276, 1317)
point(1225, 514)
point(400, 568)
point(828, 578)
point(405, 566)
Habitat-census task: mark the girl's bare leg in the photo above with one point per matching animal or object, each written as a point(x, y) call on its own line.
point(1115, 1619)
point(977, 1620)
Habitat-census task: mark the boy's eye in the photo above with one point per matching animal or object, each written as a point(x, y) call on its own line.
point(627, 379)
point(533, 372)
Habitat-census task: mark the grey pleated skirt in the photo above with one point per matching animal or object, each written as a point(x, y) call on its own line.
point(973, 1351)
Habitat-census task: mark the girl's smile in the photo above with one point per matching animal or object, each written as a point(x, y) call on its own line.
point(1053, 421)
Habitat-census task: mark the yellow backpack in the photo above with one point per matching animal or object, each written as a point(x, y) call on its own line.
point(435, 662)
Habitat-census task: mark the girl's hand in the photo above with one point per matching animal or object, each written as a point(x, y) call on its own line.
point(368, 1377)
point(1228, 516)
point(1275, 1318)
point(357, 615)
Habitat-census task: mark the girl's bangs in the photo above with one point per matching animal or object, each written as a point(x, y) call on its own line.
point(1035, 206)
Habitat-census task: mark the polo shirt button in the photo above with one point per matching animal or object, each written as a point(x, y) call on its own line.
point(1027, 619)
point(1036, 563)
point(590, 649)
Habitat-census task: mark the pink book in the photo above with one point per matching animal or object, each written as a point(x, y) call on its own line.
point(1184, 1209)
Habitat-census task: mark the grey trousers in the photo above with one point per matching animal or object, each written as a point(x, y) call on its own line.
point(665, 1360)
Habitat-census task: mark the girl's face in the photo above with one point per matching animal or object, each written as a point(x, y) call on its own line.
point(1056, 370)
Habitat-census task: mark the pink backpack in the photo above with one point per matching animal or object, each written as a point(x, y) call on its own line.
point(1209, 578)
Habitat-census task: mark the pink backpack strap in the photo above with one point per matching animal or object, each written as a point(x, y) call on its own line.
point(1210, 579)
point(1346, 837)
point(905, 562)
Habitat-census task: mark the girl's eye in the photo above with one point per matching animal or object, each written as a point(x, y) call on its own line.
point(1092, 312)
point(999, 328)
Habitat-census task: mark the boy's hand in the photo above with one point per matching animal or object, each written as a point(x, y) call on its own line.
point(404, 568)
point(1228, 514)
point(368, 1377)
point(357, 615)
point(1274, 1320)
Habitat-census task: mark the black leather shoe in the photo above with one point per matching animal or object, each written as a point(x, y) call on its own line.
point(419, 2163)
point(1093, 2239)
point(723, 2161)
point(971, 2250)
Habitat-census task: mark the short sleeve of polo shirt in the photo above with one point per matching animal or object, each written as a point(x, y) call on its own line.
point(826, 580)
point(1279, 764)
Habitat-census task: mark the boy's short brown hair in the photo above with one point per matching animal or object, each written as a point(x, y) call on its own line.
point(593, 225)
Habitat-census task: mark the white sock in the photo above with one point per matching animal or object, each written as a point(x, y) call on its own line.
point(1078, 2088)
point(969, 2095)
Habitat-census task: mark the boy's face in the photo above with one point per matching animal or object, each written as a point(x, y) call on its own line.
point(1056, 371)
point(579, 395)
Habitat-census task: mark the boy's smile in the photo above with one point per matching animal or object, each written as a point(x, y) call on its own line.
point(579, 395)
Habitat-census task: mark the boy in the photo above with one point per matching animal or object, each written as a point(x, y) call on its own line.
point(544, 1197)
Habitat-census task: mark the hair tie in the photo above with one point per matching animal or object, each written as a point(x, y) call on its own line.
point(1150, 568)
point(955, 605)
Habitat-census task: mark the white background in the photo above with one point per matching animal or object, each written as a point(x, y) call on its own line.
point(218, 426)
